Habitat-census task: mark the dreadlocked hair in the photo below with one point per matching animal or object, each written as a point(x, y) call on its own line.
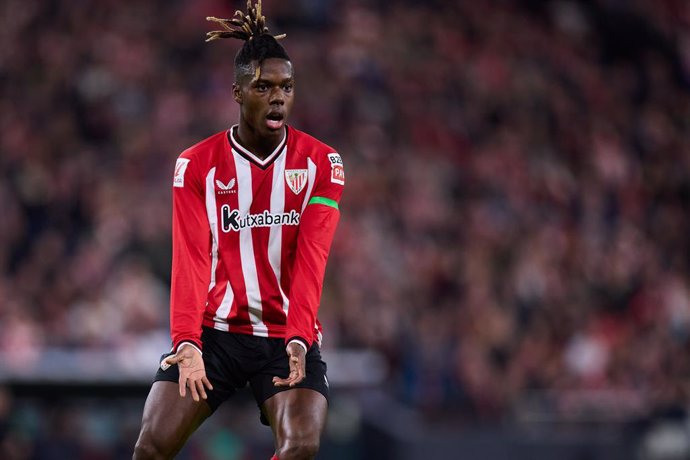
point(249, 27)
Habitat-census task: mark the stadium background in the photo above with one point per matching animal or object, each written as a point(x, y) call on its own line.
point(510, 278)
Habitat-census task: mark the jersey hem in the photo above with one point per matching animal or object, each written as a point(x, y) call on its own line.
point(276, 331)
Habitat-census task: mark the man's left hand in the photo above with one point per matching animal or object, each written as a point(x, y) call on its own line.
point(297, 358)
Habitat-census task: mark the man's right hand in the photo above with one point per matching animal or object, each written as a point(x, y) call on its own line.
point(192, 372)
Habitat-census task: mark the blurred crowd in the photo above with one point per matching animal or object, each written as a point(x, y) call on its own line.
point(516, 223)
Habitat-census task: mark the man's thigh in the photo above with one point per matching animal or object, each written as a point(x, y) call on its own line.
point(168, 420)
point(296, 414)
point(278, 366)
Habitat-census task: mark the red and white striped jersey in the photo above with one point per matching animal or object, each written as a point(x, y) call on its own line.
point(251, 237)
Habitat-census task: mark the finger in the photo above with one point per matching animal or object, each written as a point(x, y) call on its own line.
point(282, 382)
point(200, 388)
point(292, 380)
point(192, 390)
point(207, 382)
point(278, 382)
point(183, 386)
point(298, 378)
point(296, 370)
point(164, 365)
point(172, 359)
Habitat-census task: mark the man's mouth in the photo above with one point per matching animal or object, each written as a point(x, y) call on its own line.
point(275, 120)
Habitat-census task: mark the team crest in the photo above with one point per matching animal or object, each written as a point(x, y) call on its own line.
point(296, 179)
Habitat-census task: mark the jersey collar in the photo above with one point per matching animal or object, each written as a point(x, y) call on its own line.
point(266, 162)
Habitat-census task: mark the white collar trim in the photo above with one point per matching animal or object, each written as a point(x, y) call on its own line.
point(268, 159)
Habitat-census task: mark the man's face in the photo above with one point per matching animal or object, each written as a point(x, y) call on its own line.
point(266, 101)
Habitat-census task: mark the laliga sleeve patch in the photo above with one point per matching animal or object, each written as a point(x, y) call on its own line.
point(180, 168)
point(337, 170)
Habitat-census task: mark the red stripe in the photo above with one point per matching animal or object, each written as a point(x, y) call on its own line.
point(230, 244)
point(289, 239)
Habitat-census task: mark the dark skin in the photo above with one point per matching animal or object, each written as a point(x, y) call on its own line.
point(297, 417)
point(269, 95)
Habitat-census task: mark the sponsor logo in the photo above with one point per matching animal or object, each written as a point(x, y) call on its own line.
point(232, 221)
point(335, 159)
point(337, 170)
point(180, 168)
point(296, 179)
point(224, 189)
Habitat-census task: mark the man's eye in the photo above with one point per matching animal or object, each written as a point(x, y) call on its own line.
point(288, 87)
point(261, 87)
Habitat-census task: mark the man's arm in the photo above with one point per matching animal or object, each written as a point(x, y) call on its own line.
point(191, 255)
point(191, 275)
point(317, 228)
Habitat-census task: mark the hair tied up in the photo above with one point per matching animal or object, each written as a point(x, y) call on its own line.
point(243, 26)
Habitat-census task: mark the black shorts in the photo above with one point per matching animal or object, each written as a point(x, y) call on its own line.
point(233, 360)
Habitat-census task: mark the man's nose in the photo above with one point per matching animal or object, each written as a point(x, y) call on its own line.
point(277, 96)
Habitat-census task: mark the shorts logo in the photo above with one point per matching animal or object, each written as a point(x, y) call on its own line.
point(337, 170)
point(232, 221)
point(224, 189)
point(296, 179)
point(180, 168)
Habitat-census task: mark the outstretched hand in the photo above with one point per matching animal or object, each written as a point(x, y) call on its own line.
point(297, 359)
point(192, 371)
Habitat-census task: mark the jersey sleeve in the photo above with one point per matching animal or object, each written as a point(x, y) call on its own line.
point(317, 227)
point(191, 260)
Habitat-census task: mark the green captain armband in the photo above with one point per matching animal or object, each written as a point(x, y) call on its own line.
point(322, 200)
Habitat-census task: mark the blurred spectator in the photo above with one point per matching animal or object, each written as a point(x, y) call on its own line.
point(516, 218)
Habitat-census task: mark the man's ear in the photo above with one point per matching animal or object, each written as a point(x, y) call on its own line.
point(237, 93)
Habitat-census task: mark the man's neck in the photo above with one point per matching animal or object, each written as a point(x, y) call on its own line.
point(261, 146)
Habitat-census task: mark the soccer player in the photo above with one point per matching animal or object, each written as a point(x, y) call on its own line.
point(254, 212)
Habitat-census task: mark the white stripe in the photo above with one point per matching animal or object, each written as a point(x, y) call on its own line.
point(311, 173)
point(275, 238)
point(251, 279)
point(260, 330)
point(224, 310)
point(221, 326)
point(213, 223)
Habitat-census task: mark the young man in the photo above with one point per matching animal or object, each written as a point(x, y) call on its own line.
point(254, 213)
